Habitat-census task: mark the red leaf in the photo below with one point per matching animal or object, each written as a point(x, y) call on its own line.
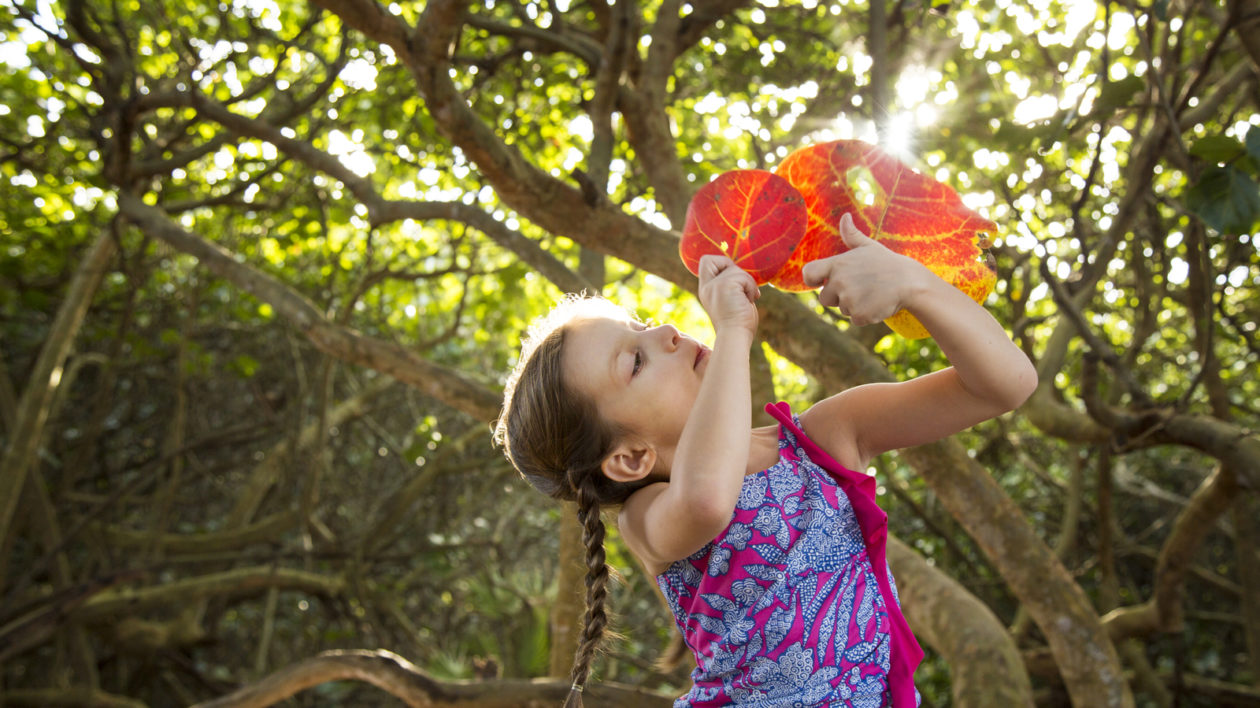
point(753, 216)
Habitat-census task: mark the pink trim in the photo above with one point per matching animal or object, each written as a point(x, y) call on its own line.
point(860, 488)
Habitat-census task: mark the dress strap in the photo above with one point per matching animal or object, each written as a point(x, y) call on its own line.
point(905, 653)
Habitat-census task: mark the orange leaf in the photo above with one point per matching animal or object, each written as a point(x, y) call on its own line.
point(906, 211)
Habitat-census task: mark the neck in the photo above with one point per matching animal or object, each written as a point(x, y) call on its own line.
point(763, 452)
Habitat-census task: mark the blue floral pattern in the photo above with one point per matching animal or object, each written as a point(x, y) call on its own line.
point(783, 608)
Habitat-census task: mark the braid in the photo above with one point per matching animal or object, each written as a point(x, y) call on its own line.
point(595, 624)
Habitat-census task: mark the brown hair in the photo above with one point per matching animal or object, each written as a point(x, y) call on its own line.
point(553, 435)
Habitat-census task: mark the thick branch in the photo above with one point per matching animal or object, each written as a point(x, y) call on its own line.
point(654, 79)
point(444, 384)
point(985, 665)
point(1164, 612)
point(1057, 419)
point(242, 581)
point(402, 679)
point(1236, 448)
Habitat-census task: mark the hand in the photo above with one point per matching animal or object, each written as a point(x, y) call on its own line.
point(728, 294)
point(869, 283)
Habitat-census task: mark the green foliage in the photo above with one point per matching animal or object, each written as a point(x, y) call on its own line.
point(1227, 193)
point(1226, 198)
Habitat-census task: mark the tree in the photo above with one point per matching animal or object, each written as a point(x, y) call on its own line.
point(300, 204)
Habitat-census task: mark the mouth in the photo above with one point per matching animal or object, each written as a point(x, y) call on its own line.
point(702, 353)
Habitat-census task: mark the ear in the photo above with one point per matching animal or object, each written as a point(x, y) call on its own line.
point(629, 462)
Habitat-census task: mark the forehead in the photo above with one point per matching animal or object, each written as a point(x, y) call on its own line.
point(590, 346)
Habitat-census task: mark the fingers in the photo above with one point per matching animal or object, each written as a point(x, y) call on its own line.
point(849, 233)
point(829, 297)
point(712, 266)
point(815, 273)
point(750, 288)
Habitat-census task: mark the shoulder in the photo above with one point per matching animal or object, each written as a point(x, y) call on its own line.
point(833, 425)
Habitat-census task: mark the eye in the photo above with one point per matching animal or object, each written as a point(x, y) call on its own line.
point(638, 364)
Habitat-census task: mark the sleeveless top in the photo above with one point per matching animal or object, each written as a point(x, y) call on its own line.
point(792, 604)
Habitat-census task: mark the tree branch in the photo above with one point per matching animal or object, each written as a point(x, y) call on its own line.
point(241, 581)
point(984, 663)
point(1163, 612)
point(444, 384)
point(41, 386)
point(402, 679)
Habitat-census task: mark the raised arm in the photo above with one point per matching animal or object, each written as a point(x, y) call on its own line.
point(989, 374)
point(665, 522)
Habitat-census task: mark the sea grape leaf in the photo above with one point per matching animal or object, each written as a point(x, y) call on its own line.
point(906, 211)
point(753, 216)
point(1253, 142)
point(1225, 198)
point(1217, 148)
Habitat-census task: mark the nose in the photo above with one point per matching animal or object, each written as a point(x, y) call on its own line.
point(669, 336)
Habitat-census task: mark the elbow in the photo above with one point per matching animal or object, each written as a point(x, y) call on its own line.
point(707, 515)
point(1023, 383)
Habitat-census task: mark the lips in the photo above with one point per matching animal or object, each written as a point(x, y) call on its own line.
point(702, 353)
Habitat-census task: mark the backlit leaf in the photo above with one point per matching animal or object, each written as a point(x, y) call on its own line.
point(908, 212)
point(753, 216)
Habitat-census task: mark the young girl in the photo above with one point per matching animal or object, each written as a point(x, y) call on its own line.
point(766, 544)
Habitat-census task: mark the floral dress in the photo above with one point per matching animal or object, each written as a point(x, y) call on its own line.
point(789, 606)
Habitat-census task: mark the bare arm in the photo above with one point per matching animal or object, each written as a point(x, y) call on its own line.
point(665, 522)
point(989, 374)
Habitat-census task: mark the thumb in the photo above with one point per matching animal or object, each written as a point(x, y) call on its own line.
point(849, 233)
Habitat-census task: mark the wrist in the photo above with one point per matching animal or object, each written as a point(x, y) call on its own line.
point(920, 285)
point(733, 337)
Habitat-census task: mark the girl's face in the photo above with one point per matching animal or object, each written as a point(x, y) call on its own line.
point(644, 380)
